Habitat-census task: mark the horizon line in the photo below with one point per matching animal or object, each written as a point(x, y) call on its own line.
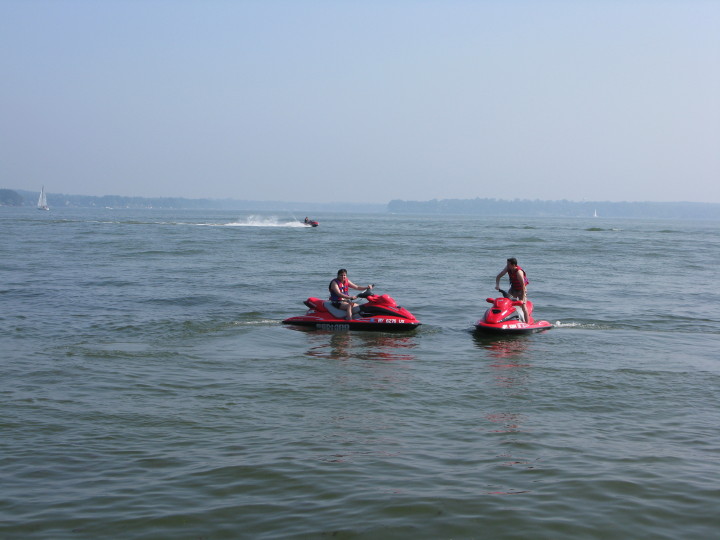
point(584, 201)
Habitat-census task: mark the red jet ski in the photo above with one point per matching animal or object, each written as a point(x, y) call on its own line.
point(505, 316)
point(311, 222)
point(380, 313)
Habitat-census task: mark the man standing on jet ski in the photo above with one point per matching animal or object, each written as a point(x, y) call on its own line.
point(518, 284)
point(339, 288)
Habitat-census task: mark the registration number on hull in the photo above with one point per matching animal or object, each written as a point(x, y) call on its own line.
point(325, 326)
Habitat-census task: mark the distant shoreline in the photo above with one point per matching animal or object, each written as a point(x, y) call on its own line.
point(478, 206)
point(536, 208)
point(60, 200)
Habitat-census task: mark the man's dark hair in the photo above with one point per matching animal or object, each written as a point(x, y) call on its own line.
point(513, 261)
point(342, 271)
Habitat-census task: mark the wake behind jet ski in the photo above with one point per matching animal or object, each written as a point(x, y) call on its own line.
point(380, 313)
point(505, 316)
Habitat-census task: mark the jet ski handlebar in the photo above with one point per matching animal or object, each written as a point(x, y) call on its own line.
point(367, 292)
point(505, 295)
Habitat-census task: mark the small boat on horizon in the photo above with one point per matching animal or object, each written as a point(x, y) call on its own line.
point(42, 200)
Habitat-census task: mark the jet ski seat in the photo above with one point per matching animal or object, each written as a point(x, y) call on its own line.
point(338, 313)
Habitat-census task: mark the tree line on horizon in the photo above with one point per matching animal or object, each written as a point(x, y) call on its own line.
point(18, 197)
point(487, 206)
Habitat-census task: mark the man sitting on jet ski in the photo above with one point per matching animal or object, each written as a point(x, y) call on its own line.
point(518, 284)
point(339, 288)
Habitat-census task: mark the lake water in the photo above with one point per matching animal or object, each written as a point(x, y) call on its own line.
point(149, 389)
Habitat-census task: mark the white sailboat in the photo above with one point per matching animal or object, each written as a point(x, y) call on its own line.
point(595, 214)
point(42, 200)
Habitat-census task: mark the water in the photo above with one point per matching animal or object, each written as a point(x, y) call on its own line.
point(149, 389)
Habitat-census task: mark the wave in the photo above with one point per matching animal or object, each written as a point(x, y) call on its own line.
point(260, 322)
point(560, 324)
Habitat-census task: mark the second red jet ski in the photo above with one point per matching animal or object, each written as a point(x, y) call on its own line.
point(505, 316)
point(380, 313)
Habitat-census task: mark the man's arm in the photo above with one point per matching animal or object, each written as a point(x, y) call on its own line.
point(497, 278)
point(353, 286)
point(521, 275)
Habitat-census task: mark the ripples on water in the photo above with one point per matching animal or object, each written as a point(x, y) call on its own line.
point(150, 391)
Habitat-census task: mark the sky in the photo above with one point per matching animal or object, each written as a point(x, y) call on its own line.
point(362, 101)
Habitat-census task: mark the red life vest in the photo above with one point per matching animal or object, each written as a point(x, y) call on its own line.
point(342, 285)
point(515, 282)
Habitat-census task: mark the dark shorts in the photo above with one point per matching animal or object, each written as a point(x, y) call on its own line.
point(517, 294)
point(337, 305)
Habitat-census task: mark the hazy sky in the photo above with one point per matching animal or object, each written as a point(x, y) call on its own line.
point(365, 101)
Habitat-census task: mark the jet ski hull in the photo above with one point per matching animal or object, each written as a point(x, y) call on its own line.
point(378, 324)
point(512, 327)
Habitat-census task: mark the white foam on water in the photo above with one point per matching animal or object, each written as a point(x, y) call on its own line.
point(560, 324)
point(257, 221)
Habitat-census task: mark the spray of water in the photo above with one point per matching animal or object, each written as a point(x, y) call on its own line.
point(262, 221)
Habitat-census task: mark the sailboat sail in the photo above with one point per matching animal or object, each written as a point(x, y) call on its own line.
point(42, 200)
